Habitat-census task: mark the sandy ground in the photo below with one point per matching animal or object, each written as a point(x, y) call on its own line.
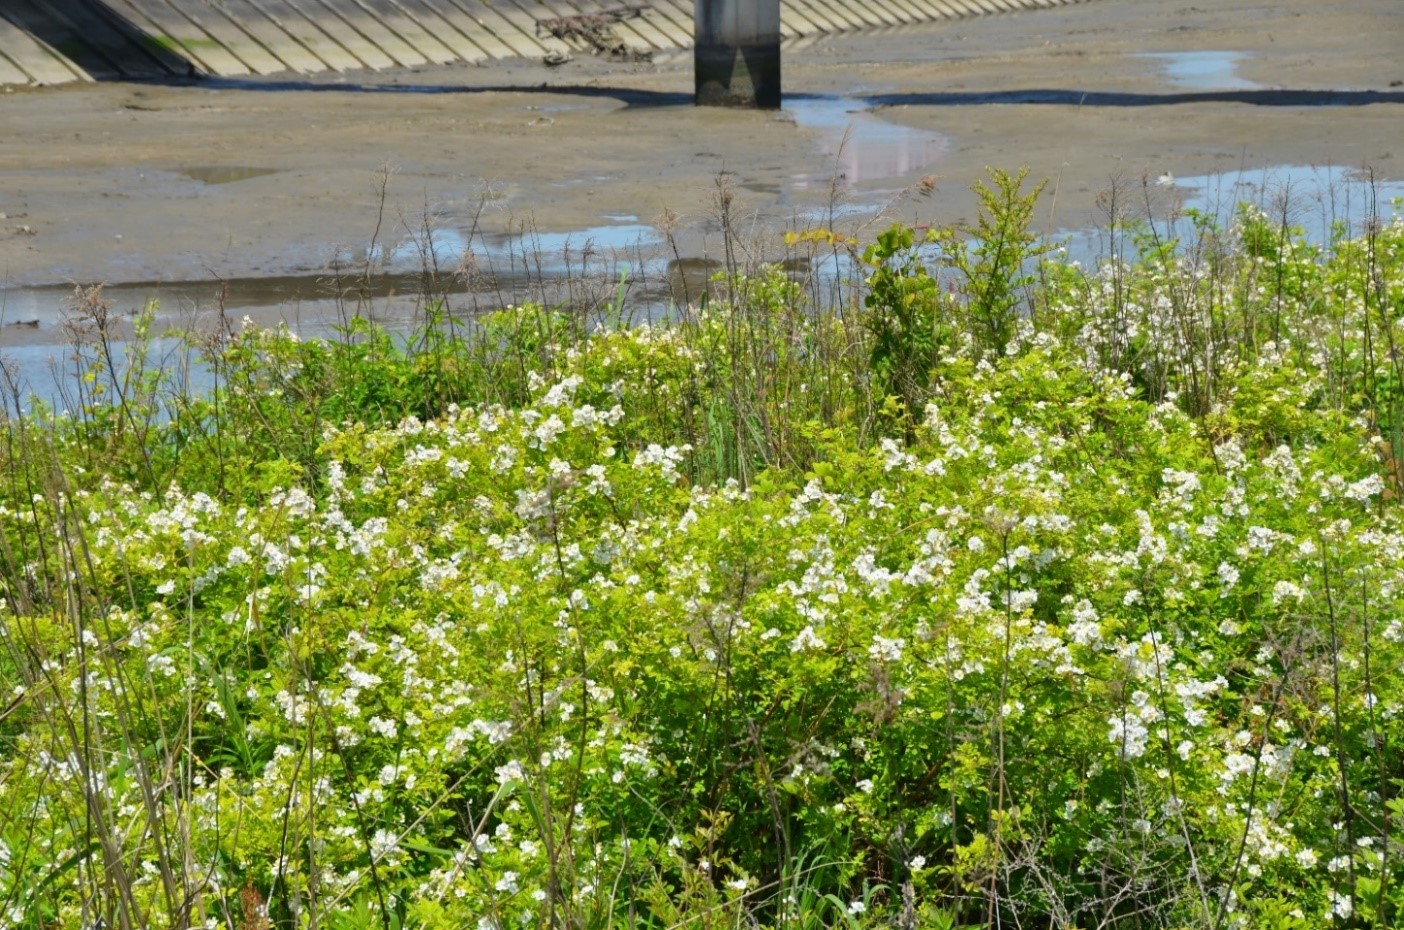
point(121, 182)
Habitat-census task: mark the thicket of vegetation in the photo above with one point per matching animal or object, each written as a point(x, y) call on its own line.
point(1009, 593)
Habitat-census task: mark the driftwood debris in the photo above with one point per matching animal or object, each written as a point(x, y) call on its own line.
point(596, 31)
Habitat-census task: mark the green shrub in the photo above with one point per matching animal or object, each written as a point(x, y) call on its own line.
point(518, 624)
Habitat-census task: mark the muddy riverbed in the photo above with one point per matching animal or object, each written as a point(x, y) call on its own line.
point(270, 183)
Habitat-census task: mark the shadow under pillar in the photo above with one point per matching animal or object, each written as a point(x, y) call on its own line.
point(737, 53)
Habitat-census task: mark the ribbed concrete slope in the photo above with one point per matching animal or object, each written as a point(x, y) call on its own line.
point(55, 41)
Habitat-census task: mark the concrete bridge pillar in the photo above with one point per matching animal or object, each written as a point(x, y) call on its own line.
point(737, 53)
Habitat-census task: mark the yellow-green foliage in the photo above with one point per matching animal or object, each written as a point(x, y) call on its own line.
point(688, 625)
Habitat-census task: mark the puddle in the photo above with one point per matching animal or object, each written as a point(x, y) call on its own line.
point(1203, 70)
point(224, 174)
point(34, 315)
point(484, 271)
point(616, 239)
point(768, 188)
point(576, 269)
point(691, 278)
point(34, 336)
point(548, 252)
point(1316, 197)
point(582, 269)
point(864, 146)
point(563, 107)
point(524, 263)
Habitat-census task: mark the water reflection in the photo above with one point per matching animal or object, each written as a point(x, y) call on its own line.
point(1203, 70)
point(224, 174)
point(447, 246)
point(1328, 193)
point(865, 147)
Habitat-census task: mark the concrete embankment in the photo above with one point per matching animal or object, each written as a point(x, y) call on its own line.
point(60, 41)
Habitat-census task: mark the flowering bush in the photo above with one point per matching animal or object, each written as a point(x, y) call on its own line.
point(1107, 630)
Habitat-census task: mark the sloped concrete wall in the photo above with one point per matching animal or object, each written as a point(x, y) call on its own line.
point(55, 41)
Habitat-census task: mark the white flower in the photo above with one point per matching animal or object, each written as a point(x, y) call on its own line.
point(1185, 483)
point(1130, 734)
point(887, 650)
point(162, 663)
point(546, 433)
point(385, 728)
point(1285, 589)
point(1085, 630)
point(1365, 488)
point(893, 456)
point(562, 392)
point(361, 679)
point(383, 843)
point(666, 460)
point(1261, 539)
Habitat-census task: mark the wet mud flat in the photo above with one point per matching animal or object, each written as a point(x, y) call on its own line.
point(262, 196)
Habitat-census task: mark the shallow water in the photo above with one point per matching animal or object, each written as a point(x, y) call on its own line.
point(224, 174)
point(1205, 70)
point(447, 246)
point(1314, 197)
point(584, 268)
point(487, 268)
point(864, 146)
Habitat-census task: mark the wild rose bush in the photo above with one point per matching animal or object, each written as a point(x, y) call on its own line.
point(1108, 632)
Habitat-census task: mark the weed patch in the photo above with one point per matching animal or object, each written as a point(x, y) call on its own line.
point(1010, 593)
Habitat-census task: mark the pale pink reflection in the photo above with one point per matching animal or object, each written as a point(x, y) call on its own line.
point(865, 146)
